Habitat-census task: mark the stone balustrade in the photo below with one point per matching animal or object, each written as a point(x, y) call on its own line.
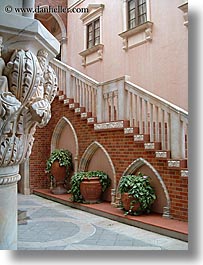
point(119, 99)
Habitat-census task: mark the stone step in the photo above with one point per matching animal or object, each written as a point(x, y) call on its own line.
point(130, 131)
point(62, 97)
point(112, 125)
point(91, 120)
point(177, 163)
point(184, 173)
point(68, 101)
point(73, 106)
point(163, 155)
point(153, 146)
point(141, 138)
point(79, 110)
point(86, 115)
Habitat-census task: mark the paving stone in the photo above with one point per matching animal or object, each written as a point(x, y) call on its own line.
point(53, 226)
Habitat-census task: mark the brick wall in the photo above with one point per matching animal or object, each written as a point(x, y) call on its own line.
point(122, 150)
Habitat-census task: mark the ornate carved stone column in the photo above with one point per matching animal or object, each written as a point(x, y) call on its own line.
point(28, 86)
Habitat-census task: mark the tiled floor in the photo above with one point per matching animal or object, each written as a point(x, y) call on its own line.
point(152, 222)
point(53, 226)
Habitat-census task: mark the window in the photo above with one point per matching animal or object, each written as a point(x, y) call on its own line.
point(137, 26)
point(93, 37)
point(93, 33)
point(137, 13)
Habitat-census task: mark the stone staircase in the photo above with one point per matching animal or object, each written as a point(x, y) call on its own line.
point(160, 126)
point(154, 147)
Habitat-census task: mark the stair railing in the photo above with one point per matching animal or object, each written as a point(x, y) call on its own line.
point(119, 99)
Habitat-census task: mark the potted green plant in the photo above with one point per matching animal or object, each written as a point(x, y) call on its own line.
point(87, 187)
point(137, 194)
point(59, 166)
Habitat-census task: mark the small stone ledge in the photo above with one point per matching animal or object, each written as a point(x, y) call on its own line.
point(113, 125)
point(177, 163)
point(141, 138)
point(160, 154)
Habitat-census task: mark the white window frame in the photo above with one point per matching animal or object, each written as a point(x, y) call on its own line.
point(95, 53)
point(139, 34)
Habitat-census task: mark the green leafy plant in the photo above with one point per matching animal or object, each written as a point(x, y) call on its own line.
point(64, 158)
point(139, 188)
point(78, 177)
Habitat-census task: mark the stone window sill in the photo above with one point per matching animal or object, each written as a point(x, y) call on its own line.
point(92, 55)
point(184, 9)
point(137, 35)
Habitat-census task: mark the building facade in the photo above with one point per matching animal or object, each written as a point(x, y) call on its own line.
point(123, 95)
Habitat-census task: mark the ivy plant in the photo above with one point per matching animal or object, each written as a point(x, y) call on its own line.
point(78, 177)
point(138, 187)
point(64, 158)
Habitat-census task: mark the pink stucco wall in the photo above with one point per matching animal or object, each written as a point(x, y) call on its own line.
point(159, 66)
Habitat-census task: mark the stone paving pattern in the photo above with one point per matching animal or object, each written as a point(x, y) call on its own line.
point(53, 226)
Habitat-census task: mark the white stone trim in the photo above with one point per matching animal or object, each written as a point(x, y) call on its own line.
point(149, 146)
point(173, 163)
point(90, 120)
point(184, 173)
point(109, 125)
point(138, 137)
point(161, 154)
point(128, 130)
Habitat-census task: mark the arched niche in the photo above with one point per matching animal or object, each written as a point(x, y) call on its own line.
point(162, 203)
point(65, 137)
point(96, 157)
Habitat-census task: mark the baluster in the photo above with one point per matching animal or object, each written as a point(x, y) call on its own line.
point(116, 105)
point(128, 109)
point(140, 116)
point(134, 110)
point(163, 143)
point(111, 105)
point(90, 99)
point(83, 95)
point(87, 98)
point(156, 124)
point(93, 101)
point(145, 117)
point(168, 131)
point(75, 89)
point(106, 107)
point(80, 94)
point(151, 114)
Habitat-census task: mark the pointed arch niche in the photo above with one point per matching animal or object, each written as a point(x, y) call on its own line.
point(162, 203)
point(96, 157)
point(65, 137)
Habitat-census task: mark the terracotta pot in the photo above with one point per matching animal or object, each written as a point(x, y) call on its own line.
point(59, 173)
point(91, 190)
point(127, 200)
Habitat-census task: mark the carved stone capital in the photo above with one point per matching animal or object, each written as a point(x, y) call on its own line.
point(28, 85)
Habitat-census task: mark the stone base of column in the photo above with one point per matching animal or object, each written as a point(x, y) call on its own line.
point(8, 207)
